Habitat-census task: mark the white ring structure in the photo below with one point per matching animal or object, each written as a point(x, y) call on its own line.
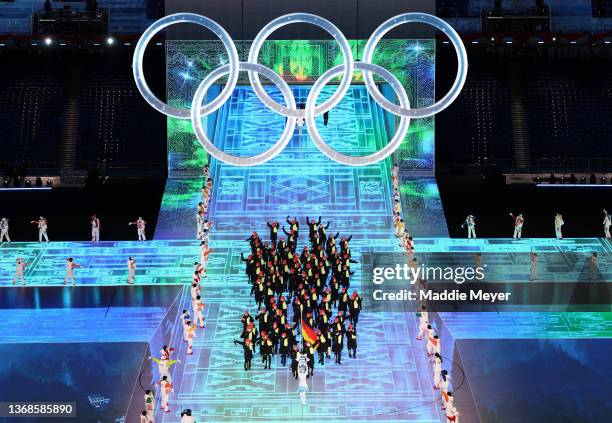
point(381, 154)
point(137, 63)
point(290, 111)
point(462, 64)
point(347, 60)
point(200, 132)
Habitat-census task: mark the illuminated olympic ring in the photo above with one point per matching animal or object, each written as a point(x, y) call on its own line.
point(311, 109)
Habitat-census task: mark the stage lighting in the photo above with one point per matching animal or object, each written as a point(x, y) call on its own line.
point(49, 183)
point(603, 180)
point(582, 180)
point(5, 183)
point(110, 41)
point(48, 41)
point(28, 183)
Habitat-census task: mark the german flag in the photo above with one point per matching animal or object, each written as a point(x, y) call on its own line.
point(308, 333)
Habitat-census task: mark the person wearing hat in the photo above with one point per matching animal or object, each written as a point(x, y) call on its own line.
point(355, 308)
point(351, 341)
point(248, 348)
point(338, 346)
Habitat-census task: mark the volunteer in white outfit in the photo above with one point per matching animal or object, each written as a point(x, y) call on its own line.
point(140, 226)
point(95, 229)
point(558, 224)
point(42, 228)
point(4, 230)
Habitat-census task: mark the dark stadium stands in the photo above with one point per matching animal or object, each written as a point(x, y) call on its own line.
point(570, 110)
point(84, 110)
point(478, 124)
point(30, 114)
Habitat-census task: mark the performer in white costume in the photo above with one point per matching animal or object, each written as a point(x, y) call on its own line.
point(470, 222)
point(20, 271)
point(518, 225)
point(70, 266)
point(140, 225)
point(302, 377)
point(131, 264)
point(558, 224)
point(607, 222)
point(95, 229)
point(4, 230)
point(42, 228)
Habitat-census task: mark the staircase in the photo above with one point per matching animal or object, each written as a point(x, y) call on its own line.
point(520, 135)
point(70, 131)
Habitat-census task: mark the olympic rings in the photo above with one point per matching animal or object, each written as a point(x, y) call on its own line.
point(462, 64)
point(200, 132)
point(357, 160)
point(347, 60)
point(291, 111)
point(137, 66)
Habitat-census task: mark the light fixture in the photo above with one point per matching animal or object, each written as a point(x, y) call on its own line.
point(48, 41)
point(28, 183)
point(110, 41)
point(49, 183)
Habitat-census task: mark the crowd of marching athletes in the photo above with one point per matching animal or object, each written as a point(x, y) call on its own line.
point(300, 289)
